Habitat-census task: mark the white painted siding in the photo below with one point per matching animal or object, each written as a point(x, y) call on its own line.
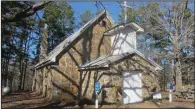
point(123, 41)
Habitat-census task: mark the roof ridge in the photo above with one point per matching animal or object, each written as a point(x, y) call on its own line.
point(66, 42)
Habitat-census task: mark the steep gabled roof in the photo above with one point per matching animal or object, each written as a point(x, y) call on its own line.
point(105, 61)
point(71, 40)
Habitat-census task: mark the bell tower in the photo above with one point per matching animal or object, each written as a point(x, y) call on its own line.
point(123, 37)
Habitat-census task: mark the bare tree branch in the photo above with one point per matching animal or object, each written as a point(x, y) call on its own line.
point(26, 13)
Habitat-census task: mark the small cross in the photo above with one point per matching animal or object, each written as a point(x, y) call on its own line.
point(125, 9)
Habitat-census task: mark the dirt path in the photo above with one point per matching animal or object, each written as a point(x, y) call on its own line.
point(32, 100)
point(146, 104)
point(23, 100)
point(179, 103)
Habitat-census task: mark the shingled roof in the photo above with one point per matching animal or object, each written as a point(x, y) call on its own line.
point(71, 40)
point(106, 61)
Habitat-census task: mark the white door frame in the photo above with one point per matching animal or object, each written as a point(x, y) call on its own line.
point(132, 73)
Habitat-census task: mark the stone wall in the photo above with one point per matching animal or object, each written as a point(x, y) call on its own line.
point(94, 43)
point(47, 79)
point(107, 81)
point(88, 84)
point(63, 81)
point(111, 80)
point(39, 81)
point(66, 79)
point(149, 75)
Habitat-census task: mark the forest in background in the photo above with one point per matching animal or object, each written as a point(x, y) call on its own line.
point(168, 38)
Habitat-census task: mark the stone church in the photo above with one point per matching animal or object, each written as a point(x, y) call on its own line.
point(99, 51)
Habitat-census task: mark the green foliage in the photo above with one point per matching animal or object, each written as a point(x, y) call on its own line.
point(163, 36)
point(16, 40)
point(59, 18)
point(151, 16)
point(149, 23)
point(20, 36)
point(15, 34)
point(13, 7)
point(131, 13)
point(85, 17)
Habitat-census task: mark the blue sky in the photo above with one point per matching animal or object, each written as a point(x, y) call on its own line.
point(112, 7)
point(79, 7)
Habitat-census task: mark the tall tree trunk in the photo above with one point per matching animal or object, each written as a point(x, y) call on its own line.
point(52, 42)
point(3, 73)
point(21, 68)
point(178, 75)
point(6, 71)
point(20, 75)
point(24, 75)
point(12, 77)
point(34, 82)
point(25, 65)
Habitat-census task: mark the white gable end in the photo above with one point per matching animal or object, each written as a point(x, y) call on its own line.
point(123, 38)
point(124, 41)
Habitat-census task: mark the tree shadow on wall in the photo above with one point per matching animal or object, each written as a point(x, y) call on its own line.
point(86, 54)
point(66, 76)
point(82, 100)
point(133, 64)
point(56, 85)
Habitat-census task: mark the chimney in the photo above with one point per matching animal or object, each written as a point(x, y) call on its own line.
point(44, 43)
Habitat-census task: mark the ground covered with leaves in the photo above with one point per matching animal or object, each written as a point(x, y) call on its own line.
point(34, 101)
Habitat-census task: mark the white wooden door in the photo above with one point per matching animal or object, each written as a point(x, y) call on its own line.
point(132, 84)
